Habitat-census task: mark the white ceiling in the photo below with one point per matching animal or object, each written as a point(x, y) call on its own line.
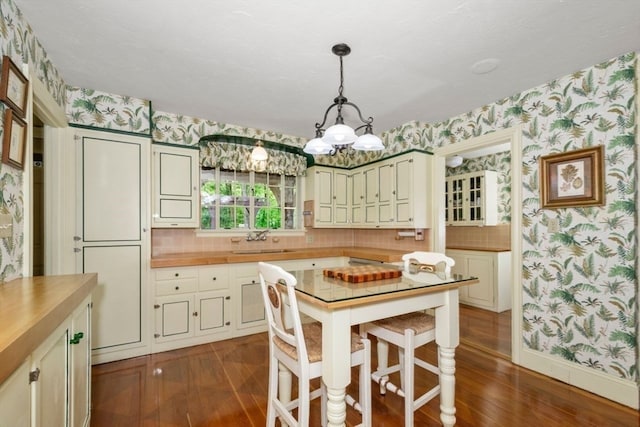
point(268, 64)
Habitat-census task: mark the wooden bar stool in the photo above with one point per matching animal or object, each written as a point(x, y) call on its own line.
point(299, 351)
point(408, 332)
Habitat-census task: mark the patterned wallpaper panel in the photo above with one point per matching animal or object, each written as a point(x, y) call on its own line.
point(579, 283)
point(499, 162)
point(19, 43)
point(92, 108)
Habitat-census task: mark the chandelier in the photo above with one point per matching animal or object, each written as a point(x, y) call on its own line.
point(339, 137)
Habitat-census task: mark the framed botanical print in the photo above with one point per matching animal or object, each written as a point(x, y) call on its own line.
point(14, 140)
point(13, 87)
point(572, 179)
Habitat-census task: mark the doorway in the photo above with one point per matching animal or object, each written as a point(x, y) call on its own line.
point(502, 140)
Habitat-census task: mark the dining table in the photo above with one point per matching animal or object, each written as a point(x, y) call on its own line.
point(339, 304)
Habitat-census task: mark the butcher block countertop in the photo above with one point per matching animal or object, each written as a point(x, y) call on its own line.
point(31, 308)
point(241, 255)
point(475, 248)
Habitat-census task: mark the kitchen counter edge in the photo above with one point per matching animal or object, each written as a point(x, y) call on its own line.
point(228, 257)
point(31, 308)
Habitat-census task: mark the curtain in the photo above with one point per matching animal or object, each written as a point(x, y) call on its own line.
point(232, 156)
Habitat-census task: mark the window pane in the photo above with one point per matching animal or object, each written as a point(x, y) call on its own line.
point(247, 200)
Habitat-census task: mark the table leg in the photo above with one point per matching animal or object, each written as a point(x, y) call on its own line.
point(448, 338)
point(447, 364)
point(336, 364)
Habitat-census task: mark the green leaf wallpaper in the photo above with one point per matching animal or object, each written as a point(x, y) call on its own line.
point(579, 283)
point(19, 43)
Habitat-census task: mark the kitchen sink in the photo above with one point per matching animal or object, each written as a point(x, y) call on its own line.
point(260, 251)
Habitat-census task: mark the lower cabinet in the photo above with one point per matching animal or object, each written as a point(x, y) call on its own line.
point(192, 306)
point(196, 305)
point(493, 270)
point(52, 387)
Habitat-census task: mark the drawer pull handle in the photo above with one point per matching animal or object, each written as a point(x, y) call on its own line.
point(214, 278)
point(177, 274)
point(177, 288)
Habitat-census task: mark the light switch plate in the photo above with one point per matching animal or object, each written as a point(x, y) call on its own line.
point(6, 226)
point(553, 225)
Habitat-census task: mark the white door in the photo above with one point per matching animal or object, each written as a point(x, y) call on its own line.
point(112, 239)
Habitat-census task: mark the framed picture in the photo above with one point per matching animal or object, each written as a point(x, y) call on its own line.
point(14, 141)
point(13, 87)
point(572, 179)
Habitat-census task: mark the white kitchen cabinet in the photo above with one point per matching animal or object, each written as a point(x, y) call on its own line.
point(472, 199)
point(493, 270)
point(403, 191)
point(390, 193)
point(250, 316)
point(61, 373)
point(15, 398)
point(192, 304)
point(175, 187)
point(112, 238)
point(329, 188)
point(356, 198)
point(80, 345)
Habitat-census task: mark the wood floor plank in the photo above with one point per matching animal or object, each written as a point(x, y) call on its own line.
point(225, 384)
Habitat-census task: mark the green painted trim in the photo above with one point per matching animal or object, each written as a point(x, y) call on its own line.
point(168, 144)
point(243, 140)
point(121, 132)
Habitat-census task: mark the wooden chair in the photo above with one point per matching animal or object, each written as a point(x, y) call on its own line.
point(299, 350)
point(408, 332)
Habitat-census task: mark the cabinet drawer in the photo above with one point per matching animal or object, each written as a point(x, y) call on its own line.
point(212, 278)
point(173, 287)
point(176, 273)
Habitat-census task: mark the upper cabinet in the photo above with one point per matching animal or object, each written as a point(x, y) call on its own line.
point(175, 187)
point(377, 195)
point(472, 199)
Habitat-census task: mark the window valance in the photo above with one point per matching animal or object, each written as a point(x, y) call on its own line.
point(235, 153)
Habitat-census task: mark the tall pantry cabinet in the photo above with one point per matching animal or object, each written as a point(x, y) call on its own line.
point(112, 238)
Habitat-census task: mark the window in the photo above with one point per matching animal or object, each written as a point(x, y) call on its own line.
point(234, 200)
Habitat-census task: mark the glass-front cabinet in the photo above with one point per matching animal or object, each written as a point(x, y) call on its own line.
point(472, 199)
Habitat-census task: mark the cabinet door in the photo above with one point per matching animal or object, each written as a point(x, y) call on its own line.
point(323, 193)
point(175, 187)
point(80, 366)
point(385, 193)
point(371, 195)
point(482, 293)
point(212, 313)
point(356, 197)
point(403, 191)
point(112, 238)
point(15, 398)
point(340, 198)
point(252, 306)
point(456, 196)
point(173, 316)
point(52, 388)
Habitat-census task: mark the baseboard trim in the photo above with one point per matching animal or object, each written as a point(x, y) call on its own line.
point(625, 392)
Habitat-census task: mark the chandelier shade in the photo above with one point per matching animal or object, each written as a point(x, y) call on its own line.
point(259, 153)
point(339, 137)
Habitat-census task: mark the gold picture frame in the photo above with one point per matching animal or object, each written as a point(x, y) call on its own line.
point(14, 140)
point(13, 87)
point(572, 179)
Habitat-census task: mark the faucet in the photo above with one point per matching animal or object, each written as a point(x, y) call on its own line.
point(257, 235)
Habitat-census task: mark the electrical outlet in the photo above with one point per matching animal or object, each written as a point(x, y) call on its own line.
point(309, 238)
point(553, 225)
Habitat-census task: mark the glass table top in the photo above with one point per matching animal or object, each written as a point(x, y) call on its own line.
point(314, 283)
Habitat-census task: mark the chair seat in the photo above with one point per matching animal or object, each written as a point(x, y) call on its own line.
point(419, 322)
point(313, 340)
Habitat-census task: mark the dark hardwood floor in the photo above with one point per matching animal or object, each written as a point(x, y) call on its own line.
point(486, 330)
point(225, 384)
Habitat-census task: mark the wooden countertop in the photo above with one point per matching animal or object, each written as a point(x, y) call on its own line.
point(229, 257)
point(31, 308)
point(471, 248)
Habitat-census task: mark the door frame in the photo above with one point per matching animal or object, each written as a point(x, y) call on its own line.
point(45, 107)
point(512, 135)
